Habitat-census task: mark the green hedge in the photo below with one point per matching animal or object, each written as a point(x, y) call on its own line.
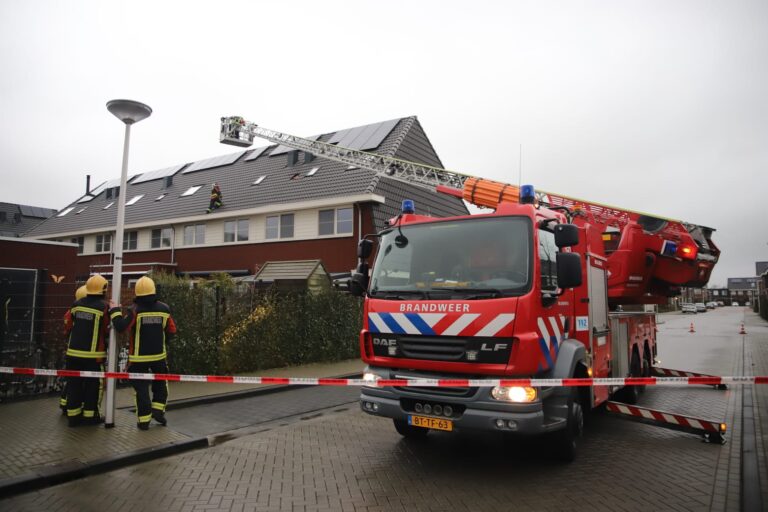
point(228, 328)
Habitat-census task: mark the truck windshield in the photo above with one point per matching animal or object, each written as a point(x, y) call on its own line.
point(471, 258)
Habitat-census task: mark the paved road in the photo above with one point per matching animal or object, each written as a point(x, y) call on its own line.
point(341, 459)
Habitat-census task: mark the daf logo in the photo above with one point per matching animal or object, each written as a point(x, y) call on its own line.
point(494, 348)
point(385, 342)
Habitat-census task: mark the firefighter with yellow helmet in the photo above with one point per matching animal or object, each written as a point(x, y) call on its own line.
point(151, 327)
point(86, 322)
point(80, 293)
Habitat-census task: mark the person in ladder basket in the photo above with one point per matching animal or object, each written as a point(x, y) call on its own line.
point(80, 293)
point(216, 198)
point(151, 326)
point(87, 322)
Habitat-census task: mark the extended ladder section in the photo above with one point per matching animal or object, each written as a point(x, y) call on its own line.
point(649, 257)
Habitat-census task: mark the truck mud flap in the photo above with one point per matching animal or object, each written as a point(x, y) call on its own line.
point(711, 431)
point(666, 372)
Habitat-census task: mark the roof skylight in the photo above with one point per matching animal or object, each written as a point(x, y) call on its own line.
point(259, 180)
point(63, 213)
point(110, 204)
point(134, 200)
point(191, 190)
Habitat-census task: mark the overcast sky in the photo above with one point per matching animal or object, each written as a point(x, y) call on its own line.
point(658, 106)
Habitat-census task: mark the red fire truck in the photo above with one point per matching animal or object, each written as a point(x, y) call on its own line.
point(531, 289)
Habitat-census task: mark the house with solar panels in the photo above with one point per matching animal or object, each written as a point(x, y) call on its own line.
point(279, 204)
point(17, 219)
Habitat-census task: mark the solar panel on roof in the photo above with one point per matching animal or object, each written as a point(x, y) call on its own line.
point(256, 154)
point(33, 211)
point(105, 185)
point(280, 150)
point(158, 174)
point(378, 136)
point(210, 163)
point(363, 137)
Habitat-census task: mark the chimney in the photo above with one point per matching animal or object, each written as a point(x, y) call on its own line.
point(168, 181)
point(87, 184)
point(293, 158)
point(308, 157)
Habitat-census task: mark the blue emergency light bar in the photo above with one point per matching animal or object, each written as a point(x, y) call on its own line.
point(527, 194)
point(408, 206)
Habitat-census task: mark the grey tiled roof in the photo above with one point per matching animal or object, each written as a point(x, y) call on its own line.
point(282, 184)
point(17, 219)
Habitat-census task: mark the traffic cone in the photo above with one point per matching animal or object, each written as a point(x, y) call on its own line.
point(691, 329)
point(742, 330)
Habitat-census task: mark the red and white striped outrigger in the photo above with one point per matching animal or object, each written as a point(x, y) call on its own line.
point(712, 431)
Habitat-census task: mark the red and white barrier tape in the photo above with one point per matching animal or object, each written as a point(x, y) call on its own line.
point(310, 381)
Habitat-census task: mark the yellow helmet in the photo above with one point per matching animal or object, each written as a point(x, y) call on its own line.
point(145, 286)
point(81, 293)
point(96, 285)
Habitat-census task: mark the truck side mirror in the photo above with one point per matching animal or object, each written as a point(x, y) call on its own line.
point(358, 284)
point(566, 235)
point(364, 249)
point(568, 270)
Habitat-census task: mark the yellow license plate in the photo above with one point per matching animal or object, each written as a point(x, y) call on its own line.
point(434, 423)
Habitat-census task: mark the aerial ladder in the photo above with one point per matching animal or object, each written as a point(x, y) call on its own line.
point(649, 257)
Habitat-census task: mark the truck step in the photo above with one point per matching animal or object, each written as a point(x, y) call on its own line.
point(666, 372)
point(711, 431)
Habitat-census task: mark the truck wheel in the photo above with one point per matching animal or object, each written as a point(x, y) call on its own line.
point(408, 431)
point(565, 441)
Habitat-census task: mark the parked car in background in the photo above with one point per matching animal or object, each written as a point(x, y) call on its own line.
point(711, 305)
point(688, 307)
point(747, 303)
point(701, 307)
point(734, 303)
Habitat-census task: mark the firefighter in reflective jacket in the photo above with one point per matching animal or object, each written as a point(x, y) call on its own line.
point(81, 293)
point(87, 322)
point(151, 326)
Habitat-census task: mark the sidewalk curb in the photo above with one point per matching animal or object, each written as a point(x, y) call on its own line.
point(48, 476)
point(72, 470)
point(236, 395)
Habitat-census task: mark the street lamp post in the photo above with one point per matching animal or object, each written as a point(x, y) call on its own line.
point(129, 112)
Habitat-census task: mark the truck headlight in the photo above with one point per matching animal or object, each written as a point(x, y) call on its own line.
point(370, 377)
point(517, 394)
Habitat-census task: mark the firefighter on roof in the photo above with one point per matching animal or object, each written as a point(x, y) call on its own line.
point(151, 326)
point(87, 322)
point(216, 198)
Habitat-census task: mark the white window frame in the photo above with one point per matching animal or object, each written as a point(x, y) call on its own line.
point(335, 222)
point(162, 232)
point(282, 225)
point(105, 242)
point(237, 229)
point(197, 234)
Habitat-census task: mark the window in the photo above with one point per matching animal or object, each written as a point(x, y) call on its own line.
point(547, 255)
point(335, 221)
point(313, 171)
point(134, 200)
point(280, 226)
point(236, 230)
point(194, 234)
point(344, 220)
point(130, 240)
point(104, 242)
point(325, 226)
point(191, 190)
point(160, 197)
point(80, 241)
point(66, 211)
point(259, 180)
point(161, 238)
point(110, 204)
point(81, 210)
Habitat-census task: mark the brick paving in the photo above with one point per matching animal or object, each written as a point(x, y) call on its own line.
point(345, 460)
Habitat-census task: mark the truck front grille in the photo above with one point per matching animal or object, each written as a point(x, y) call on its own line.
point(438, 348)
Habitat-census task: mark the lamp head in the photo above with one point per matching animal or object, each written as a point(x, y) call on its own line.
point(129, 111)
